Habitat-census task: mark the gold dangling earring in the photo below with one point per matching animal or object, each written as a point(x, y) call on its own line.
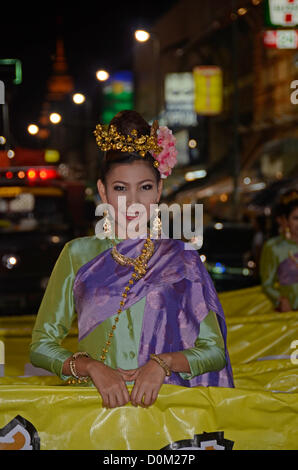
point(288, 233)
point(107, 226)
point(157, 225)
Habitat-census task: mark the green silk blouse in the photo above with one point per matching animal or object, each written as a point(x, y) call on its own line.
point(275, 251)
point(57, 314)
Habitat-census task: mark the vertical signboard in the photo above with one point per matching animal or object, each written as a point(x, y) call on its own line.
point(179, 99)
point(208, 90)
point(282, 13)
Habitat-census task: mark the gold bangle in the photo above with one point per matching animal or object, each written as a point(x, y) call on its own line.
point(73, 369)
point(161, 363)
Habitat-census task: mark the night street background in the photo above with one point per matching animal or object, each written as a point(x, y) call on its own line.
point(236, 132)
point(95, 34)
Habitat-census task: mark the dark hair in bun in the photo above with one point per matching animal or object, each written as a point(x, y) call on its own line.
point(125, 122)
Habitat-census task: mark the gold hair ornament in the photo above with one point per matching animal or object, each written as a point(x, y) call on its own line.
point(108, 138)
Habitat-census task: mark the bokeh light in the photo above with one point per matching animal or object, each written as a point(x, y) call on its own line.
point(78, 98)
point(55, 118)
point(33, 129)
point(141, 35)
point(102, 75)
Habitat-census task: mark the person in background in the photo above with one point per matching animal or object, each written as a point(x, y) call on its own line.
point(279, 257)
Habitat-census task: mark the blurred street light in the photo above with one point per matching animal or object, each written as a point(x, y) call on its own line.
point(192, 143)
point(242, 11)
point(2, 140)
point(142, 35)
point(193, 175)
point(10, 153)
point(55, 118)
point(21, 174)
point(223, 197)
point(33, 129)
point(78, 98)
point(102, 75)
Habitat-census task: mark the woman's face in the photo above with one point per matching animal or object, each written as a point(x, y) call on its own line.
point(292, 222)
point(137, 183)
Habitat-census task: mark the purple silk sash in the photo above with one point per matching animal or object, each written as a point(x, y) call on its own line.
point(179, 294)
point(288, 271)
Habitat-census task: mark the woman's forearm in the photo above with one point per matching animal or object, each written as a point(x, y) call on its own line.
point(83, 366)
point(176, 361)
point(207, 354)
point(49, 355)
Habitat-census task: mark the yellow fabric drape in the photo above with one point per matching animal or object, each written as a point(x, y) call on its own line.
point(69, 418)
point(260, 413)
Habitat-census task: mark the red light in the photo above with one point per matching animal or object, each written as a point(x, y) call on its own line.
point(47, 173)
point(52, 173)
point(9, 175)
point(31, 174)
point(43, 174)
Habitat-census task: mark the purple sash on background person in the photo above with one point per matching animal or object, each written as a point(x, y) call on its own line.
point(179, 294)
point(288, 271)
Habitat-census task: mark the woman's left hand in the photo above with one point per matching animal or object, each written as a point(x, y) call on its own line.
point(284, 305)
point(148, 380)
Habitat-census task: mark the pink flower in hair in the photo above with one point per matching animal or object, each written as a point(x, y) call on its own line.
point(168, 157)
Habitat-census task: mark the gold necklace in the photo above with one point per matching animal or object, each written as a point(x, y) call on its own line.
point(140, 266)
point(139, 263)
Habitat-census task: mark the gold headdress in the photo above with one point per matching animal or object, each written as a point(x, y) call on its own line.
point(108, 138)
point(289, 197)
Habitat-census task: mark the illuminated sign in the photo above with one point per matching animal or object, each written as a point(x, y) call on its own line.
point(208, 90)
point(14, 191)
point(282, 12)
point(179, 98)
point(117, 95)
point(51, 156)
point(281, 38)
point(18, 69)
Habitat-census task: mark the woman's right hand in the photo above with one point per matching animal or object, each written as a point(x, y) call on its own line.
point(109, 383)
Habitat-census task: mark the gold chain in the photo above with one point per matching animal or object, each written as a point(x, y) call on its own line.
point(140, 266)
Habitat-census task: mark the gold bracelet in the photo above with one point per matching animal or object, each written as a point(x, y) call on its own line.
point(161, 363)
point(73, 369)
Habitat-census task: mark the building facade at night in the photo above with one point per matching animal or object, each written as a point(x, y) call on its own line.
point(255, 134)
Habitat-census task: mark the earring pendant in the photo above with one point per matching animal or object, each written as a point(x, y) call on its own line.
point(107, 226)
point(157, 225)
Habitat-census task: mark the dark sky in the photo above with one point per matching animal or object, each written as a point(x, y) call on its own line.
point(96, 34)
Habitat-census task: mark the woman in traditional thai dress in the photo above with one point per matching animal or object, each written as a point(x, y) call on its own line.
point(147, 310)
point(279, 259)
